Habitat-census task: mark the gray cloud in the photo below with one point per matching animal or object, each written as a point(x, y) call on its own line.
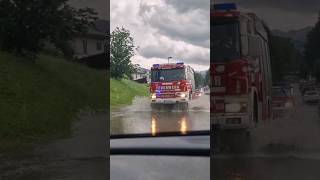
point(187, 5)
point(282, 14)
point(297, 6)
point(182, 22)
point(161, 29)
point(188, 55)
point(100, 6)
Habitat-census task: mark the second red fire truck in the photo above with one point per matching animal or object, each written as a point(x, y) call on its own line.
point(240, 69)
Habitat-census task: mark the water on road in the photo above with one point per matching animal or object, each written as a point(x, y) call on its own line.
point(140, 118)
point(285, 148)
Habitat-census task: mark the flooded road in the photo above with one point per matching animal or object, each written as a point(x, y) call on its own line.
point(140, 118)
point(288, 147)
point(81, 156)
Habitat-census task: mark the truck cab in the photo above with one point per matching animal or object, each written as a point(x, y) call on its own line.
point(240, 69)
point(171, 83)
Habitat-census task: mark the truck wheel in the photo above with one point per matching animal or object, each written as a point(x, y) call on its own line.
point(232, 141)
point(186, 106)
point(183, 106)
point(154, 107)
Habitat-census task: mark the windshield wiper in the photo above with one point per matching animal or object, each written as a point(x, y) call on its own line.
point(161, 151)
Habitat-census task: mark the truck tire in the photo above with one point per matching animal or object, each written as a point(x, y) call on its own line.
point(155, 107)
point(232, 141)
point(184, 106)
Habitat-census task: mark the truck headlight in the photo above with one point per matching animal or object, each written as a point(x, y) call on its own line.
point(288, 104)
point(153, 96)
point(220, 68)
point(236, 107)
point(182, 95)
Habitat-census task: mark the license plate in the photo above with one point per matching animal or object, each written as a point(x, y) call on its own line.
point(218, 89)
point(219, 106)
point(167, 102)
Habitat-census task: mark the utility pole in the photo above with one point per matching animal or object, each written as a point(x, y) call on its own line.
point(169, 59)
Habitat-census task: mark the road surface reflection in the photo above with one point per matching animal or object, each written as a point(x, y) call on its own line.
point(286, 149)
point(139, 118)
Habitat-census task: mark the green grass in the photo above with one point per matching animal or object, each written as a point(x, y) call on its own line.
point(39, 101)
point(123, 91)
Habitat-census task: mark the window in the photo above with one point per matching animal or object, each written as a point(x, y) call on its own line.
point(99, 45)
point(249, 27)
point(168, 75)
point(225, 41)
point(244, 38)
point(85, 48)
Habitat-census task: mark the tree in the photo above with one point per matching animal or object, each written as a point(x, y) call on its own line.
point(199, 79)
point(285, 58)
point(207, 78)
point(312, 53)
point(27, 25)
point(122, 50)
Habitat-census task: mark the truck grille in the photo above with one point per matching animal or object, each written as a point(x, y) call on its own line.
point(166, 96)
point(167, 87)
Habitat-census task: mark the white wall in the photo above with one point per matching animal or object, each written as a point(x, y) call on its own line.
point(77, 45)
point(136, 76)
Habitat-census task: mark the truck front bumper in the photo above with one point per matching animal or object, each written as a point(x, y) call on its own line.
point(231, 120)
point(169, 100)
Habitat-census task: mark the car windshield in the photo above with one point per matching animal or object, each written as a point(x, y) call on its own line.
point(159, 97)
point(167, 75)
point(225, 41)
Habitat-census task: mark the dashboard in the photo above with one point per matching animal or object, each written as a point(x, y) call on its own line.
point(155, 158)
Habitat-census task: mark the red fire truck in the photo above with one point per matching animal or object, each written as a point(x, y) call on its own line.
point(240, 69)
point(171, 83)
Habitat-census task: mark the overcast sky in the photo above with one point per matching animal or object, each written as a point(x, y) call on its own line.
point(282, 14)
point(163, 28)
point(180, 28)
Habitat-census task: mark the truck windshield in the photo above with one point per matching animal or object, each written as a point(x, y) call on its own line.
point(167, 75)
point(225, 44)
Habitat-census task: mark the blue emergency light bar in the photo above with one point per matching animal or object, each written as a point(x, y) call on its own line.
point(158, 65)
point(225, 6)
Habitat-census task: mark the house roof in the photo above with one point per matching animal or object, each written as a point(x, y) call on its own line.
point(102, 26)
point(141, 70)
point(99, 31)
point(95, 34)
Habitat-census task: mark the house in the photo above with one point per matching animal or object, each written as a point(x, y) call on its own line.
point(140, 74)
point(92, 43)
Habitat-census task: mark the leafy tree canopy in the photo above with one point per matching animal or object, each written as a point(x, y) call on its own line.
point(27, 24)
point(122, 49)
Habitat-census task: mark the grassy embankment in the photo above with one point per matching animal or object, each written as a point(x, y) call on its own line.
point(39, 101)
point(123, 91)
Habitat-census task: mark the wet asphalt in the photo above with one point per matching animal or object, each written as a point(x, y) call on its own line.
point(286, 148)
point(140, 118)
point(82, 156)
